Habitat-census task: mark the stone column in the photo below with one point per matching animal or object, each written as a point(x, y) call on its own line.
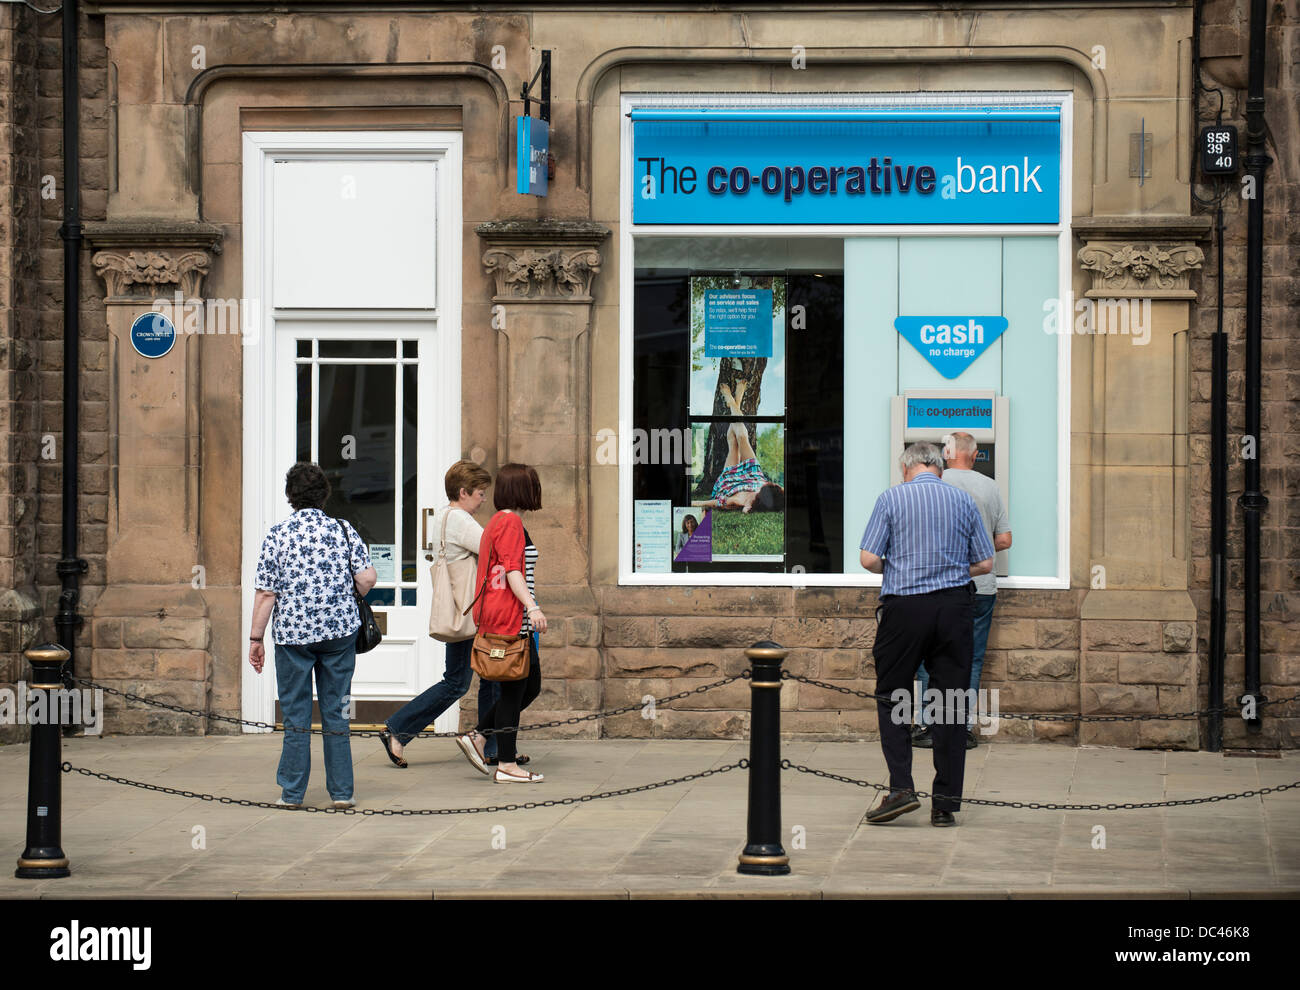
point(541, 311)
point(1138, 623)
point(150, 629)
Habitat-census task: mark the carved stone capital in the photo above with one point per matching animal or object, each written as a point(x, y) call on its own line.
point(542, 260)
point(1145, 257)
point(149, 259)
point(1141, 269)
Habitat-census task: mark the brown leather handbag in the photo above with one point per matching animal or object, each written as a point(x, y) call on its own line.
point(494, 657)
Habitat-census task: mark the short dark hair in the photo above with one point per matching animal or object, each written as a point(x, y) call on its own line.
point(306, 487)
point(771, 498)
point(466, 475)
point(518, 488)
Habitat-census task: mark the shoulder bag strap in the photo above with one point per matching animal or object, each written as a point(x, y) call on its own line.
point(347, 559)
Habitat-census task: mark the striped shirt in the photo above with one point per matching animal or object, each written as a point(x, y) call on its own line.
point(530, 565)
point(928, 534)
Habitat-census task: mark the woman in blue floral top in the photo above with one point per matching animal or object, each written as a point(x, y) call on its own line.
point(308, 567)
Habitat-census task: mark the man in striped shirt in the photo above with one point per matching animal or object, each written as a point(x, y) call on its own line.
point(928, 540)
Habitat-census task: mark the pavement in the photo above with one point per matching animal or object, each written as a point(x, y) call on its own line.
point(677, 841)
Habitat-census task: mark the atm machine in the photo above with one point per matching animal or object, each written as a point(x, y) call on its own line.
point(931, 414)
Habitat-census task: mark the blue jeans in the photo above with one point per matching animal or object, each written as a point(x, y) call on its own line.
point(420, 711)
point(332, 661)
point(983, 620)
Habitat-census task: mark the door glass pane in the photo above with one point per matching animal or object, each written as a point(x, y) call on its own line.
point(410, 504)
point(358, 348)
point(302, 445)
point(356, 444)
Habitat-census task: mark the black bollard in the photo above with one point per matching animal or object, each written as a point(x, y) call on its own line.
point(43, 858)
point(764, 854)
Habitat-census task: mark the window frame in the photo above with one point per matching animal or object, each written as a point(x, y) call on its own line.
point(630, 232)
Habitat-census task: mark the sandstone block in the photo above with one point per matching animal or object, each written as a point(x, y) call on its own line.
point(583, 630)
point(1168, 735)
point(1157, 669)
point(1121, 634)
point(714, 632)
point(1116, 699)
point(1012, 634)
point(1063, 732)
point(1178, 637)
point(1036, 665)
point(191, 665)
point(107, 633)
point(169, 633)
point(583, 695)
point(833, 633)
point(1056, 634)
point(1039, 696)
point(1122, 734)
point(839, 664)
point(663, 663)
point(117, 664)
point(573, 661)
point(630, 631)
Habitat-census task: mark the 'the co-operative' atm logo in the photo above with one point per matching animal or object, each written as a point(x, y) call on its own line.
point(950, 343)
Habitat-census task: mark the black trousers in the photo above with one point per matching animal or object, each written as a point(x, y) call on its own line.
point(937, 629)
point(515, 697)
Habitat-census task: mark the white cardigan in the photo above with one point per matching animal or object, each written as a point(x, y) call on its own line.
point(463, 533)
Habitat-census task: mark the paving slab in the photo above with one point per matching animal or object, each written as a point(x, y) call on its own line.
point(678, 841)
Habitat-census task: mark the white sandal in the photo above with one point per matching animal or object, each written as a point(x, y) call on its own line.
point(510, 778)
point(466, 744)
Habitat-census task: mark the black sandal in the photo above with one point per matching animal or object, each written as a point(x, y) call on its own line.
point(384, 739)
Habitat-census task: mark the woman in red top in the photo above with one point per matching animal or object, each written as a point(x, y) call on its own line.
point(508, 606)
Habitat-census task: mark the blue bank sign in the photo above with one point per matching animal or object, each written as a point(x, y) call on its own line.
point(950, 343)
point(841, 166)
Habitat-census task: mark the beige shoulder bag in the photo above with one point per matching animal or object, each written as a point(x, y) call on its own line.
point(453, 583)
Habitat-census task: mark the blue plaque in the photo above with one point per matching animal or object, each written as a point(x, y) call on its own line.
point(152, 335)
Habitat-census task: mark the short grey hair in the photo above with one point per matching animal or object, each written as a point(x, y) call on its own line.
point(920, 454)
point(961, 443)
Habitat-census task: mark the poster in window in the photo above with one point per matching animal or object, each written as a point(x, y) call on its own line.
point(692, 535)
point(652, 535)
point(745, 493)
point(737, 345)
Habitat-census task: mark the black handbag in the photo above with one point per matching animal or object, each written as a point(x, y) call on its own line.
point(368, 636)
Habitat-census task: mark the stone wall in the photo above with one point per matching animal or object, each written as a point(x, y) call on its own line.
point(19, 348)
point(1224, 47)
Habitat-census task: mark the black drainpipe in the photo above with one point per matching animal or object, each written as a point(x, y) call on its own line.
point(70, 567)
point(1252, 500)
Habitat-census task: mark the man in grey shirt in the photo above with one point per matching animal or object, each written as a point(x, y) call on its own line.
point(959, 451)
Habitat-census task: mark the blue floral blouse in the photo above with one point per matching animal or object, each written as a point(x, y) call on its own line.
point(305, 562)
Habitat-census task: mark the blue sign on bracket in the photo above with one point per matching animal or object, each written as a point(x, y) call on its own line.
point(152, 335)
point(950, 343)
point(533, 145)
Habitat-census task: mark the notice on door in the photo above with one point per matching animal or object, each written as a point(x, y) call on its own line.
point(383, 557)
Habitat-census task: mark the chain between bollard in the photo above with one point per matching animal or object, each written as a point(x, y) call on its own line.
point(1046, 806)
point(363, 733)
point(1054, 716)
point(67, 767)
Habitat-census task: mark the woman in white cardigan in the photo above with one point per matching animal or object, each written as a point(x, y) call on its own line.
point(466, 485)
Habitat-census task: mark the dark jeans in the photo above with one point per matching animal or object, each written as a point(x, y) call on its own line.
point(420, 711)
point(983, 620)
point(515, 697)
point(935, 628)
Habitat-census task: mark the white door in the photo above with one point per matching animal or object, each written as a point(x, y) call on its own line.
point(352, 262)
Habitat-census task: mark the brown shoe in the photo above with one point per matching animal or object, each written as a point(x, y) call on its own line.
point(892, 805)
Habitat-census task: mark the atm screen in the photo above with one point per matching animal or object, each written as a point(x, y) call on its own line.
point(984, 459)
